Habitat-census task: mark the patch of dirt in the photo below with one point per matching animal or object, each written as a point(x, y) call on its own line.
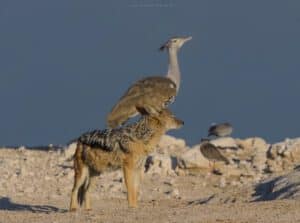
point(35, 186)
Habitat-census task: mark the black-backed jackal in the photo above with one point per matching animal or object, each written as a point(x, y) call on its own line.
point(125, 147)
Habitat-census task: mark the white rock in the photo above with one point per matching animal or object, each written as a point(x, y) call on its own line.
point(254, 149)
point(224, 142)
point(193, 158)
point(167, 140)
point(175, 193)
point(69, 151)
point(170, 145)
point(161, 164)
point(222, 182)
point(286, 154)
point(22, 148)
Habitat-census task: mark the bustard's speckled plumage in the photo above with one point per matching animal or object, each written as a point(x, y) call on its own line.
point(150, 94)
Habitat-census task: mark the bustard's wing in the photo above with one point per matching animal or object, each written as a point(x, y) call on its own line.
point(151, 94)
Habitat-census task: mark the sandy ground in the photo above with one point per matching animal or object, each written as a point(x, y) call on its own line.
point(116, 210)
point(35, 187)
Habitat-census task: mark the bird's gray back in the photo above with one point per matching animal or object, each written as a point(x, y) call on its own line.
point(224, 129)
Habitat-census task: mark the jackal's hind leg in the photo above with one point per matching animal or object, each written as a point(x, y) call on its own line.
point(87, 198)
point(80, 178)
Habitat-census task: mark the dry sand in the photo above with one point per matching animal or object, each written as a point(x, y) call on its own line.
point(35, 186)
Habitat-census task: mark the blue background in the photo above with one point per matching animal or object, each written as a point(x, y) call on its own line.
point(64, 64)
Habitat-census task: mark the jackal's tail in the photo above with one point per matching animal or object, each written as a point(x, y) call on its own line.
point(83, 177)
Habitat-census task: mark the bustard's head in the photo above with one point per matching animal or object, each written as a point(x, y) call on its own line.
point(175, 43)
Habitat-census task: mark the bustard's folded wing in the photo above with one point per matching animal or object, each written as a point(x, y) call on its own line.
point(151, 94)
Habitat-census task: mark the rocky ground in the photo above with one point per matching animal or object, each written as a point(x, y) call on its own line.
point(261, 183)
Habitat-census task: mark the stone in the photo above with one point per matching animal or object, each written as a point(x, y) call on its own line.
point(22, 148)
point(285, 154)
point(160, 164)
point(167, 140)
point(174, 192)
point(224, 142)
point(192, 158)
point(170, 145)
point(223, 182)
point(69, 151)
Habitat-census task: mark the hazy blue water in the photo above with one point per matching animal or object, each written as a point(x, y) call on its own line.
point(63, 64)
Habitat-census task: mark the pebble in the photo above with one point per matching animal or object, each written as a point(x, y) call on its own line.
point(222, 182)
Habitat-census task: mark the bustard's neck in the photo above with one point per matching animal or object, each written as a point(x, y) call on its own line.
point(173, 70)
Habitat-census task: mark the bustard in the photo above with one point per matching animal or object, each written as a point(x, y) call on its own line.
point(220, 130)
point(150, 94)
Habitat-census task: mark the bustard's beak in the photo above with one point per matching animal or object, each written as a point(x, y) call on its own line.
point(183, 40)
point(186, 39)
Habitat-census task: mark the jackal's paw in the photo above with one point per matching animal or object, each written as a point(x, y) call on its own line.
point(73, 209)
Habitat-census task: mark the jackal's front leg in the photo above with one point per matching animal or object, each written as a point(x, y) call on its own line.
point(132, 180)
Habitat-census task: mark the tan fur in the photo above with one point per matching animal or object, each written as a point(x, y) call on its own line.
point(90, 161)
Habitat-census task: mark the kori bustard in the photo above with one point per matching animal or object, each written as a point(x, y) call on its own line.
point(151, 94)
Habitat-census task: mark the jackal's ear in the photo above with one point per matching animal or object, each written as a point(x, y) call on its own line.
point(142, 111)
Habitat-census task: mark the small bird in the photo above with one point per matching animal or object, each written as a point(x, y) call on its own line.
point(212, 153)
point(220, 130)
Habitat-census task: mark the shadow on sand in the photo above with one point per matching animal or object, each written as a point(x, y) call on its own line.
point(202, 201)
point(277, 188)
point(8, 205)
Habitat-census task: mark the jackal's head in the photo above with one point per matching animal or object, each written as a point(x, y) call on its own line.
point(169, 120)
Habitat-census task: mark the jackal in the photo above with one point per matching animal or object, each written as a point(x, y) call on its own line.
point(125, 147)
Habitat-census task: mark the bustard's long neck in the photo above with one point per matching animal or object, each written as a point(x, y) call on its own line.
point(173, 70)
